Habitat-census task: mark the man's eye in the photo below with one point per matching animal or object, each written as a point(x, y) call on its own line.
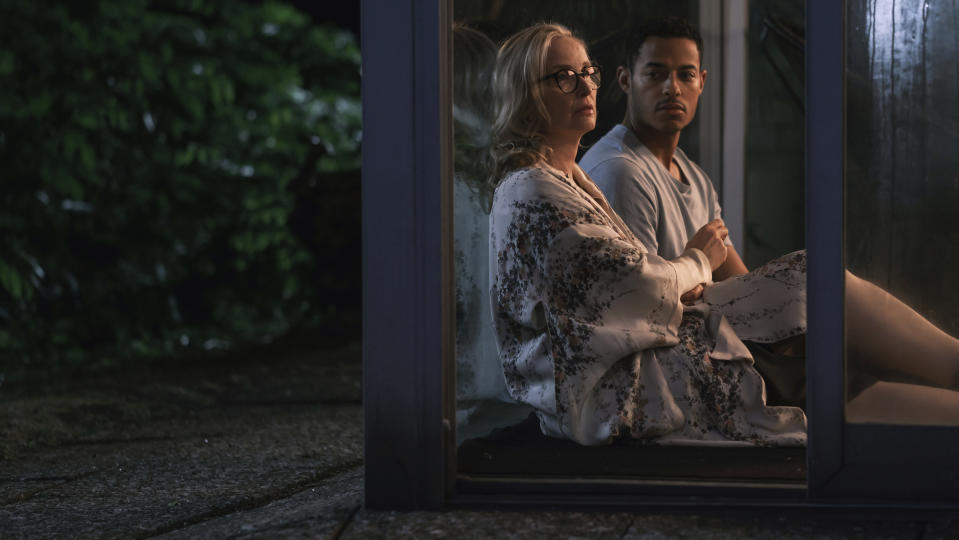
point(688, 76)
point(655, 75)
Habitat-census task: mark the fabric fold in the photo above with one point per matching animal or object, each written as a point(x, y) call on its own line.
point(619, 355)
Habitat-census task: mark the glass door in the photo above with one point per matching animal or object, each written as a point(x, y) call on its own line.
point(892, 427)
point(853, 451)
point(748, 124)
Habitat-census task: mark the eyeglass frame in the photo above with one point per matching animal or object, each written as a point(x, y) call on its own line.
point(581, 76)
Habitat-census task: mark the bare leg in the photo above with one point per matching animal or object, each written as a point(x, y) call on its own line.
point(884, 333)
point(901, 403)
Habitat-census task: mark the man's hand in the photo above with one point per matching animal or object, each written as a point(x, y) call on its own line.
point(711, 241)
point(690, 297)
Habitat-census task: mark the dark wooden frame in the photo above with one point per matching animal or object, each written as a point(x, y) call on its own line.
point(407, 240)
point(825, 105)
point(407, 297)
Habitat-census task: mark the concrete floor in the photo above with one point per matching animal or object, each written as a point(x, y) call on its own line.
point(270, 446)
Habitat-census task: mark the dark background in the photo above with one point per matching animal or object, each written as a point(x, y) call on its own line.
point(180, 178)
point(345, 15)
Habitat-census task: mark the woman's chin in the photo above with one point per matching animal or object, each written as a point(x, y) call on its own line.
point(578, 128)
point(585, 124)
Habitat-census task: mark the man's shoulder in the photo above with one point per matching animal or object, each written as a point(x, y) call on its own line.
point(611, 159)
point(611, 146)
point(613, 165)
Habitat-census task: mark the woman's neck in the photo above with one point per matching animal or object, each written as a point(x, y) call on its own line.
point(563, 153)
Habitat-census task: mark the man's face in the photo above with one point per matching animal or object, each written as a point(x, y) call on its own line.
point(664, 85)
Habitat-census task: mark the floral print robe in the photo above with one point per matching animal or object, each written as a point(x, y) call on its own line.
point(592, 334)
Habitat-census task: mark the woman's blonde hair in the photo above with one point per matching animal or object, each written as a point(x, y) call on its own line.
point(520, 115)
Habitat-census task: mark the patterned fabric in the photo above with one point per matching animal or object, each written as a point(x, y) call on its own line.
point(766, 305)
point(591, 332)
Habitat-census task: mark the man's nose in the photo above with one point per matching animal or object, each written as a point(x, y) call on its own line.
point(670, 86)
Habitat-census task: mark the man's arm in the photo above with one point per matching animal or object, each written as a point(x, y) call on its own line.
point(733, 266)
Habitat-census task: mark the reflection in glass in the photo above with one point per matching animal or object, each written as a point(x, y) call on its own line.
point(902, 186)
point(478, 374)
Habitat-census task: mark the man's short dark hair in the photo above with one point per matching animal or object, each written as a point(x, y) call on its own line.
point(661, 27)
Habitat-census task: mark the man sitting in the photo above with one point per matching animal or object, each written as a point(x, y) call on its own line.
point(661, 194)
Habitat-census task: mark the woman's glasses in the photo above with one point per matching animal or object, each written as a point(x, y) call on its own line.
point(568, 80)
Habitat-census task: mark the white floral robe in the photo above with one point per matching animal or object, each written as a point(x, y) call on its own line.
point(591, 331)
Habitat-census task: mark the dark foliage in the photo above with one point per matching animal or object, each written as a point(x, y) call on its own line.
point(151, 152)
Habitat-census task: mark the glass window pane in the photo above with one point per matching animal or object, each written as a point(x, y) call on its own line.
point(902, 189)
point(770, 143)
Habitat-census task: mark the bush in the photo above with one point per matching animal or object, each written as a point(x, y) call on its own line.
point(147, 151)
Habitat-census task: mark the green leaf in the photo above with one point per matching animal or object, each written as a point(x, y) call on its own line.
point(13, 282)
point(7, 62)
point(179, 195)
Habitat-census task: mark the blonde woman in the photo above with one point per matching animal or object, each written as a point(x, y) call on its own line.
point(590, 328)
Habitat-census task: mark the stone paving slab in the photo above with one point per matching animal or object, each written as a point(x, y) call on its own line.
point(222, 461)
point(316, 512)
point(114, 405)
point(656, 527)
point(487, 524)
point(464, 524)
point(272, 448)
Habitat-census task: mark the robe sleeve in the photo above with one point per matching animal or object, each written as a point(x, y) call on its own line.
point(571, 297)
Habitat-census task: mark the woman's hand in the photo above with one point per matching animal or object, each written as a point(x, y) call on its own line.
point(711, 241)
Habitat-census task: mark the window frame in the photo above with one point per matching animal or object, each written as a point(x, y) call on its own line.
point(825, 141)
point(407, 240)
point(844, 460)
point(409, 401)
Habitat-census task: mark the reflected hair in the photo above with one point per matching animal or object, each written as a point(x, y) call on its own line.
point(474, 55)
point(520, 113)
